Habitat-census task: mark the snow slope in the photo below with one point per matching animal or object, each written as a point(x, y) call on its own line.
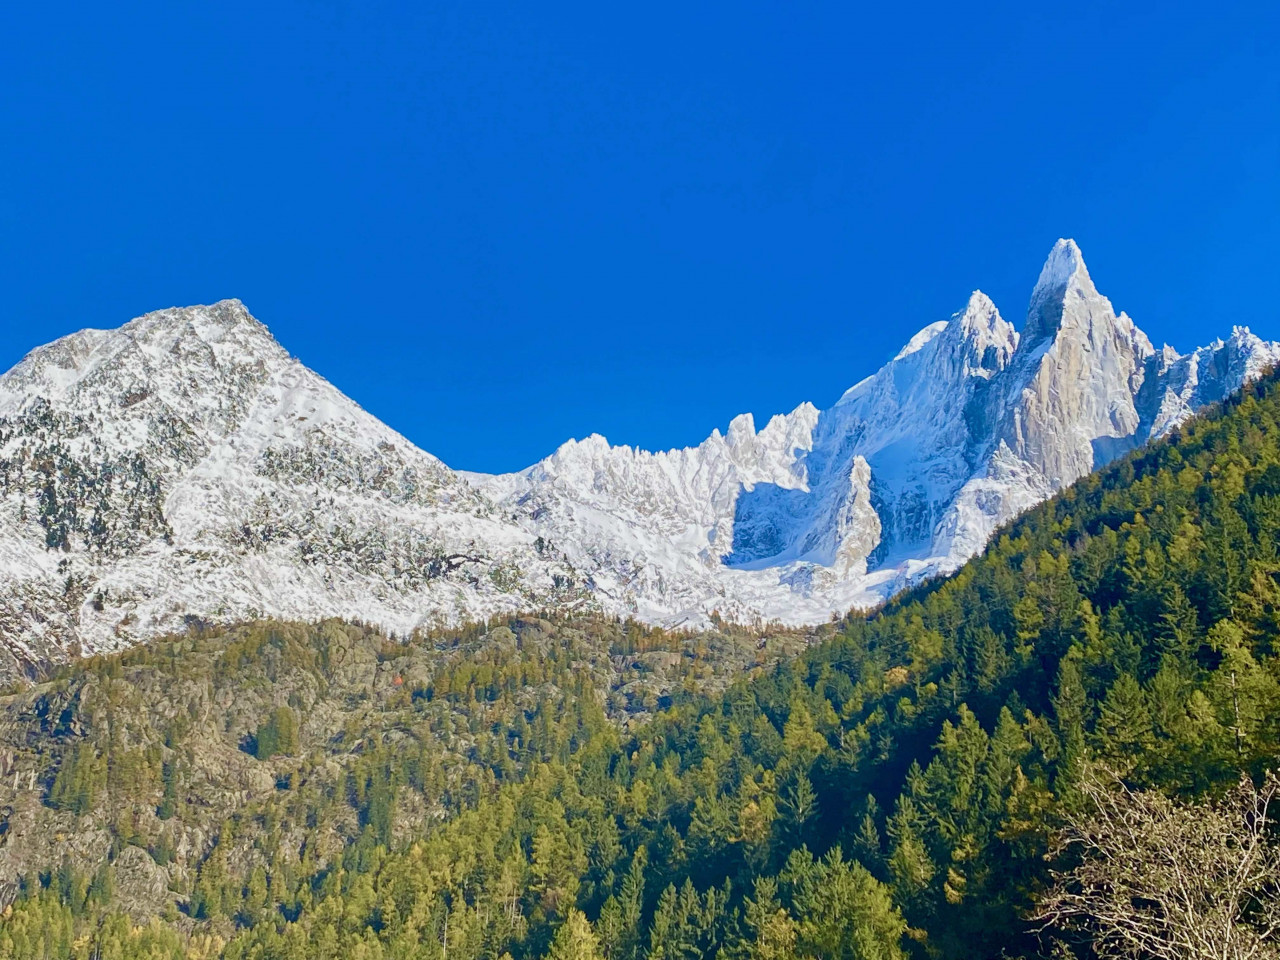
point(184, 467)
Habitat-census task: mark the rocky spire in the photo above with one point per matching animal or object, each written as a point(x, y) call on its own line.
point(985, 341)
point(1063, 278)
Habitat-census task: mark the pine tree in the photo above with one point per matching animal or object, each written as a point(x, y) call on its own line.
point(867, 843)
point(279, 735)
point(575, 939)
point(631, 906)
point(1124, 722)
point(773, 931)
point(662, 928)
point(845, 913)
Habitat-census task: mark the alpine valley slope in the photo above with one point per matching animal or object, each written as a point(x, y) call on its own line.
point(184, 467)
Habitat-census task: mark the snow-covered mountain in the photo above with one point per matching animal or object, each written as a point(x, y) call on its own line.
point(184, 467)
point(906, 476)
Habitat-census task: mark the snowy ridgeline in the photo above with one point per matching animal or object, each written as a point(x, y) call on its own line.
point(183, 467)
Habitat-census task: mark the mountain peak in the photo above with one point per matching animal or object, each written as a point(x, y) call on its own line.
point(986, 339)
point(978, 303)
point(979, 315)
point(1064, 261)
point(208, 321)
point(1064, 274)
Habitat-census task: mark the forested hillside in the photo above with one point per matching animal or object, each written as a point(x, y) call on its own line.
point(893, 791)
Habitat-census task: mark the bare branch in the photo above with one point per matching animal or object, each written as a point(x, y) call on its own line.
point(1158, 879)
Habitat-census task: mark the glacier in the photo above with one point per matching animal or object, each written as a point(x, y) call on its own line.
point(184, 469)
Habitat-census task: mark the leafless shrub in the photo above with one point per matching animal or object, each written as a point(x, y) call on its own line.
point(1161, 879)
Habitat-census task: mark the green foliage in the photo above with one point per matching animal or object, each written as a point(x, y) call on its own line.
point(352, 745)
point(515, 790)
point(278, 735)
point(574, 940)
point(841, 912)
point(79, 781)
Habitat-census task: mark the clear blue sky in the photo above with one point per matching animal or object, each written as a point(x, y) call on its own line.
point(500, 225)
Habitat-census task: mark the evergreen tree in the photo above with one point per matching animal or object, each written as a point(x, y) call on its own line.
point(575, 939)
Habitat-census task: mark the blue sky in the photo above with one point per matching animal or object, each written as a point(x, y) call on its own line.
point(500, 225)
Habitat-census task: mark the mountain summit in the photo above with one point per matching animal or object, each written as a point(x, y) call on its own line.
point(1063, 278)
point(184, 467)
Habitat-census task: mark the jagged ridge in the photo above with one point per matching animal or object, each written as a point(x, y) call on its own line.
point(184, 465)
